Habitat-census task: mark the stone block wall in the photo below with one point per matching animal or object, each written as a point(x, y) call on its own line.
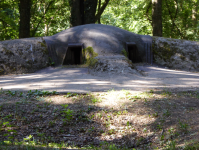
point(23, 55)
point(176, 54)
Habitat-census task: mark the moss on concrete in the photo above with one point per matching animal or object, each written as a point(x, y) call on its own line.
point(89, 56)
point(45, 50)
point(43, 45)
point(125, 53)
point(164, 50)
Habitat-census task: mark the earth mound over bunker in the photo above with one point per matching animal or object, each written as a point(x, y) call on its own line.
point(105, 40)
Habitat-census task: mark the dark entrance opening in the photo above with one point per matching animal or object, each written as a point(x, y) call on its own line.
point(132, 50)
point(73, 54)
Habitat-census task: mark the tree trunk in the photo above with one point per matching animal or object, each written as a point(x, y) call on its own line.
point(157, 17)
point(24, 23)
point(84, 11)
point(99, 6)
point(90, 7)
point(77, 12)
point(101, 9)
point(195, 16)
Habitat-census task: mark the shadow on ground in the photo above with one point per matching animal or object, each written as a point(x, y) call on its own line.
point(140, 120)
point(79, 80)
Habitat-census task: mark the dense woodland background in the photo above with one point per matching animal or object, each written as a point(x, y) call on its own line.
point(34, 18)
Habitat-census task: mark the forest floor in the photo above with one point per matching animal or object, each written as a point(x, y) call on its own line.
point(157, 119)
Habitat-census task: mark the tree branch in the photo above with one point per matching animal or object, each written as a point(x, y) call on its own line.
point(3, 21)
point(176, 10)
point(42, 18)
point(101, 10)
point(99, 5)
point(147, 12)
point(173, 21)
point(33, 10)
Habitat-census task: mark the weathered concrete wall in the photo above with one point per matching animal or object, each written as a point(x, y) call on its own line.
point(104, 39)
point(31, 54)
point(23, 55)
point(176, 54)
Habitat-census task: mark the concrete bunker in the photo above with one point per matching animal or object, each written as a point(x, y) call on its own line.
point(65, 47)
point(133, 53)
point(73, 55)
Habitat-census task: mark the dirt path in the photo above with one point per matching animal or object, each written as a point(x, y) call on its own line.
point(79, 80)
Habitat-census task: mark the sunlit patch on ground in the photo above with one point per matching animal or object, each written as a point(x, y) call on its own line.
point(119, 119)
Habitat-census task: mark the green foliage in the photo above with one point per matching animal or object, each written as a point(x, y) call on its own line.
point(70, 95)
point(67, 113)
point(51, 63)
point(180, 18)
point(1, 91)
point(91, 62)
point(194, 146)
point(183, 126)
point(129, 15)
point(89, 52)
point(40, 93)
point(49, 17)
point(136, 16)
point(9, 19)
point(166, 113)
point(125, 53)
point(11, 93)
point(166, 93)
point(171, 145)
point(95, 99)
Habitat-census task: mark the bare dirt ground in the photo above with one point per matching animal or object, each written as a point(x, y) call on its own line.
point(110, 112)
point(62, 79)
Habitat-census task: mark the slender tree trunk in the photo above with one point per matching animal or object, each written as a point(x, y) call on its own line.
point(24, 23)
point(101, 9)
point(157, 17)
point(195, 16)
point(90, 7)
point(81, 8)
point(99, 6)
point(75, 18)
